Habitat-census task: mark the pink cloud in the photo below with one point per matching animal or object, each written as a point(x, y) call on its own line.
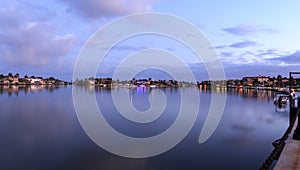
point(104, 8)
point(27, 43)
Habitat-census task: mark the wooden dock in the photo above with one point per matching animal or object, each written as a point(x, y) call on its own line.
point(290, 156)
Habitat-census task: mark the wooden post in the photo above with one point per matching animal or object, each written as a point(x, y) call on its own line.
point(296, 135)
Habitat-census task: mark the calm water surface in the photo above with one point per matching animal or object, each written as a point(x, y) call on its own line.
point(39, 130)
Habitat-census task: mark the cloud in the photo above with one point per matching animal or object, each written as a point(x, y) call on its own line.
point(229, 58)
point(243, 44)
point(226, 54)
point(244, 30)
point(292, 59)
point(280, 63)
point(268, 52)
point(271, 53)
point(127, 47)
point(238, 70)
point(26, 42)
point(103, 8)
point(238, 45)
point(250, 57)
point(132, 48)
point(220, 46)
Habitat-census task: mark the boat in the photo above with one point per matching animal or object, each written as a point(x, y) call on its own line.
point(281, 99)
point(132, 86)
point(102, 85)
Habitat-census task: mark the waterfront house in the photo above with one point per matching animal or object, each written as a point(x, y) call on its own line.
point(233, 83)
point(248, 81)
point(262, 79)
point(4, 81)
point(36, 81)
point(255, 81)
point(91, 82)
point(103, 81)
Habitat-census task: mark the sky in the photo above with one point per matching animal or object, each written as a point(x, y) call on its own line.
point(251, 38)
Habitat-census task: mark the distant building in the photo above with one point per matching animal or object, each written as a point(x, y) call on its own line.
point(262, 79)
point(247, 81)
point(255, 81)
point(103, 81)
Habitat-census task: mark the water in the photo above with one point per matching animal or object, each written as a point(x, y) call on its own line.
point(40, 130)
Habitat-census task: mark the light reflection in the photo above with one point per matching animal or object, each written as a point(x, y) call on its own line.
point(15, 90)
point(245, 93)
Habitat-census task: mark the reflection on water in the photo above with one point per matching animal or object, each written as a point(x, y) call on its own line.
point(246, 93)
point(41, 130)
point(15, 90)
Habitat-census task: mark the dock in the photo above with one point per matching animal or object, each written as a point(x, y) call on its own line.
point(290, 156)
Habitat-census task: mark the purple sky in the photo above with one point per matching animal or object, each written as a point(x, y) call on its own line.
point(251, 37)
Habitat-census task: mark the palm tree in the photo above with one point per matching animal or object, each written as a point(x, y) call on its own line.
point(17, 75)
point(255, 82)
point(279, 80)
point(279, 77)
